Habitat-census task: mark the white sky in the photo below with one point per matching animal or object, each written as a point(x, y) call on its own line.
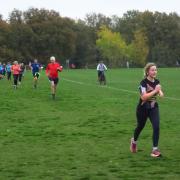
point(79, 8)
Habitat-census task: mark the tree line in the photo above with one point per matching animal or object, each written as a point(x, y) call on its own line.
point(136, 37)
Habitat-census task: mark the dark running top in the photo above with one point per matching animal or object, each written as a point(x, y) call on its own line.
point(35, 67)
point(148, 86)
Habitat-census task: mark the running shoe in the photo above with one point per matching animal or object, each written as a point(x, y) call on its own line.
point(156, 153)
point(133, 146)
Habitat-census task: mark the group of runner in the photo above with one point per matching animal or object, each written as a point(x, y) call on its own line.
point(5, 69)
point(17, 70)
point(147, 107)
point(52, 70)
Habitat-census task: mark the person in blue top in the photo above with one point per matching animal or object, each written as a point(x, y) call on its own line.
point(35, 67)
point(1, 71)
point(8, 71)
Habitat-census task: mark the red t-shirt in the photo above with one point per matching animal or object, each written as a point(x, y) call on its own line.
point(15, 68)
point(52, 70)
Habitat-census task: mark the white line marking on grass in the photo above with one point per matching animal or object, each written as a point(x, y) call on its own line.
point(108, 87)
point(172, 98)
point(114, 88)
point(119, 89)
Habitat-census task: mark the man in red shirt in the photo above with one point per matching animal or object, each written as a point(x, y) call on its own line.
point(52, 70)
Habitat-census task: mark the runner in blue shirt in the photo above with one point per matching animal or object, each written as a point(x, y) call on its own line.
point(8, 70)
point(1, 71)
point(35, 67)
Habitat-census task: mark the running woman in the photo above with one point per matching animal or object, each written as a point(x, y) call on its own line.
point(101, 67)
point(52, 70)
point(35, 67)
point(15, 68)
point(8, 70)
point(21, 73)
point(148, 108)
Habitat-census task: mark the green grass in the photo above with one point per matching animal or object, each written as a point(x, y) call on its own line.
point(84, 134)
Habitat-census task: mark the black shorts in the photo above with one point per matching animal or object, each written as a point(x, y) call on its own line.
point(100, 73)
point(36, 75)
point(55, 80)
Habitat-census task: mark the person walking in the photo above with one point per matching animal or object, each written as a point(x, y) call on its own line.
point(101, 68)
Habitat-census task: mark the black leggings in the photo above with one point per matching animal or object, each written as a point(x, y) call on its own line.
point(9, 75)
point(101, 77)
point(142, 114)
point(20, 77)
point(15, 79)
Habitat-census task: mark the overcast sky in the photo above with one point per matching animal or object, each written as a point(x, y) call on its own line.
point(79, 8)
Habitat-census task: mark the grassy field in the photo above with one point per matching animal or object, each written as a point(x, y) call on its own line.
point(85, 133)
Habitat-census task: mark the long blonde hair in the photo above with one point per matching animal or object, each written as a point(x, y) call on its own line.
point(147, 67)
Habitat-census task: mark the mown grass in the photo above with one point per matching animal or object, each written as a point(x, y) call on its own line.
point(85, 133)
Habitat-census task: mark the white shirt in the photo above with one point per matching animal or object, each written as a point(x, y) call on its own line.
point(101, 67)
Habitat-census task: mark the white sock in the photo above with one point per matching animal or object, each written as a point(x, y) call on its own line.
point(134, 141)
point(155, 148)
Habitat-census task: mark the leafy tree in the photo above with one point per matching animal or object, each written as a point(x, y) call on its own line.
point(16, 17)
point(97, 20)
point(85, 53)
point(53, 35)
point(127, 25)
point(137, 36)
point(111, 45)
point(139, 48)
point(163, 55)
